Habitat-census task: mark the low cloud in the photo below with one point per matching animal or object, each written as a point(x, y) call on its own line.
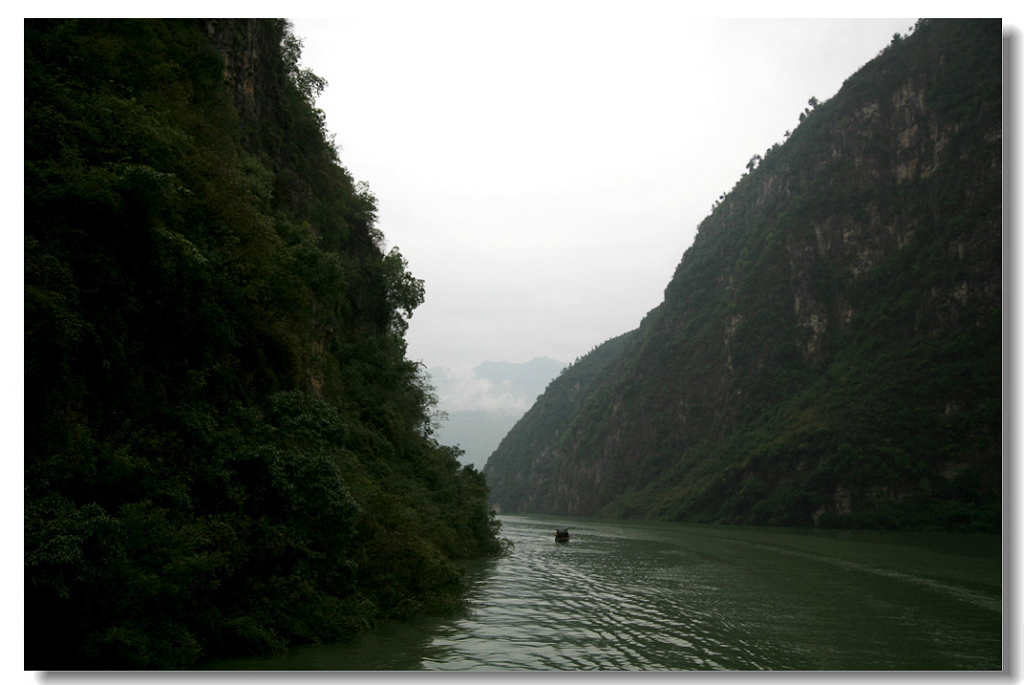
point(484, 402)
point(462, 390)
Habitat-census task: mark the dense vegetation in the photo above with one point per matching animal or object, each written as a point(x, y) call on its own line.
point(829, 349)
point(226, 450)
point(525, 465)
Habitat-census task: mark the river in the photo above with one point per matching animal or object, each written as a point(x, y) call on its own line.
point(663, 596)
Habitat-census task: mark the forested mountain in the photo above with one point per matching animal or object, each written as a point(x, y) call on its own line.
point(226, 450)
point(829, 349)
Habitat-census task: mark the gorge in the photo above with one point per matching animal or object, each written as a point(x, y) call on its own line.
point(829, 350)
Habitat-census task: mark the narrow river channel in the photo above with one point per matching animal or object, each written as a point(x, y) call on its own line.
point(657, 596)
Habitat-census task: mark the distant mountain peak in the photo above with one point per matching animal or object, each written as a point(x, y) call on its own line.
point(482, 404)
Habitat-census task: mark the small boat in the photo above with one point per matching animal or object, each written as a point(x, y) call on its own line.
point(561, 535)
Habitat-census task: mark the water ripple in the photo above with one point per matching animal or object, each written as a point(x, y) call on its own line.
point(607, 601)
point(674, 597)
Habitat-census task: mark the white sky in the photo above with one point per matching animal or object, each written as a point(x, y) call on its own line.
point(543, 172)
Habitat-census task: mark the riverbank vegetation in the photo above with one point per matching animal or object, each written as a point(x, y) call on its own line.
point(226, 450)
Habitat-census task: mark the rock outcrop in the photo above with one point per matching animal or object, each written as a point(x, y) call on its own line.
point(829, 348)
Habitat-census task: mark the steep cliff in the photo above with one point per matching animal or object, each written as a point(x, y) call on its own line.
point(226, 450)
point(829, 349)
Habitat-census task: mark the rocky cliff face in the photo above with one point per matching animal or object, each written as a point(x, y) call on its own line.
point(226, 450)
point(828, 350)
point(248, 48)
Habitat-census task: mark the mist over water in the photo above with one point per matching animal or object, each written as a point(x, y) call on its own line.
point(635, 596)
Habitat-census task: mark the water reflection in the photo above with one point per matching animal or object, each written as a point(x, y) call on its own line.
point(626, 596)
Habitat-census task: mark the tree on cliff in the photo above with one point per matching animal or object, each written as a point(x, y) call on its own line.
point(226, 450)
point(829, 350)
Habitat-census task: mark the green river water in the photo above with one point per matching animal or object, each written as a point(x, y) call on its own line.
point(659, 596)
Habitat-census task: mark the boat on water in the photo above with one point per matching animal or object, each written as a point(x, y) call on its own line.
point(561, 535)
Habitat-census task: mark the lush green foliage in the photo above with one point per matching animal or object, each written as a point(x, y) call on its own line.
point(226, 450)
point(829, 350)
point(522, 467)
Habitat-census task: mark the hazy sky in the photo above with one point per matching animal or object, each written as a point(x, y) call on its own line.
point(543, 171)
